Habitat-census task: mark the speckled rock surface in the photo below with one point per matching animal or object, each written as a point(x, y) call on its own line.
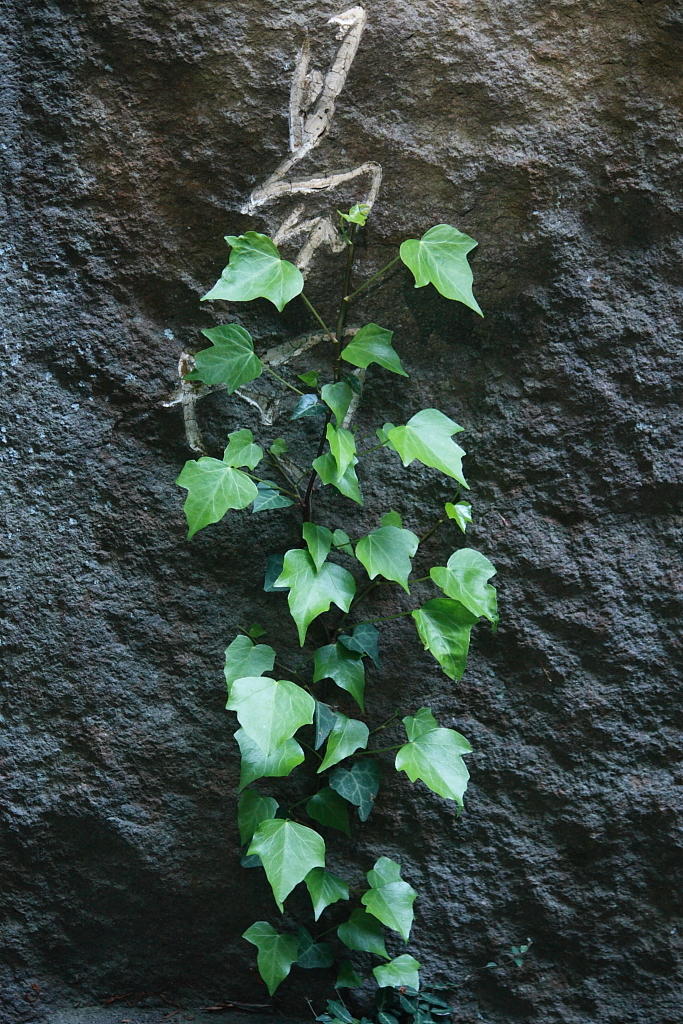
point(133, 133)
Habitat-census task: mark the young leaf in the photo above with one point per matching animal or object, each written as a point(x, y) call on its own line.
point(347, 977)
point(440, 258)
point(312, 592)
point(310, 378)
point(340, 1013)
point(323, 720)
point(427, 437)
point(288, 851)
point(338, 397)
point(347, 736)
point(269, 497)
point(359, 785)
point(346, 668)
point(326, 468)
point(444, 626)
point(270, 710)
point(276, 953)
point(358, 214)
point(328, 808)
point(252, 809)
point(387, 552)
point(308, 405)
point(318, 541)
point(364, 640)
point(241, 450)
point(212, 489)
point(313, 954)
point(363, 932)
point(403, 970)
point(325, 888)
point(255, 631)
point(342, 542)
point(372, 344)
point(435, 756)
point(343, 447)
point(392, 519)
point(465, 578)
point(278, 447)
point(242, 658)
point(462, 513)
point(230, 360)
point(390, 899)
point(273, 570)
point(256, 270)
point(257, 765)
point(383, 435)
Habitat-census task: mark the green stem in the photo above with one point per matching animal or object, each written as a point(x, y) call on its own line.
point(312, 749)
point(385, 618)
point(369, 450)
point(388, 721)
point(374, 277)
point(344, 303)
point(318, 317)
point(270, 483)
point(282, 379)
point(380, 750)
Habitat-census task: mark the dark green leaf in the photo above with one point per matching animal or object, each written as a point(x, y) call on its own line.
point(347, 977)
point(339, 1011)
point(269, 497)
point(312, 954)
point(364, 640)
point(212, 489)
point(359, 785)
point(354, 383)
point(255, 631)
point(324, 889)
point(288, 852)
point(270, 710)
point(318, 541)
point(250, 862)
point(338, 398)
point(390, 899)
point(312, 592)
point(252, 809)
point(330, 809)
point(409, 1005)
point(273, 570)
point(347, 736)
point(465, 578)
point(444, 626)
point(257, 765)
point(336, 662)
point(387, 552)
point(372, 344)
point(491, 963)
point(308, 405)
point(230, 360)
point(256, 270)
point(440, 258)
point(326, 468)
point(462, 513)
point(310, 378)
point(427, 437)
point(242, 658)
point(363, 932)
point(276, 953)
point(403, 970)
point(323, 722)
point(386, 1018)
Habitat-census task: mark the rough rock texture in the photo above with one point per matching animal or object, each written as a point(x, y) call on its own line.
point(550, 131)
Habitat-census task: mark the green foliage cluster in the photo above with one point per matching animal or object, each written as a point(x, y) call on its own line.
point(283, 721)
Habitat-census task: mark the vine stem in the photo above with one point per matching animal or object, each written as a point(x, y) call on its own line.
point(379, 750)
point(344, 303)
point(347, 298)
point(270, 483)
point(385, 618)
point(282, 379)
point(388, 722)
point(318, 317)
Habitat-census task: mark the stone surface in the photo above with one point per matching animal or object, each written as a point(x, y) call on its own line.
point(133, 133)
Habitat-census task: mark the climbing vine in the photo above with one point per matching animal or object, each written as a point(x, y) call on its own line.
point(283, 721)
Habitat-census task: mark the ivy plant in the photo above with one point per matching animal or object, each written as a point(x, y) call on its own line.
point(284, 724)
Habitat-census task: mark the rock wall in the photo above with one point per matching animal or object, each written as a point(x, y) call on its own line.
point(134, 132)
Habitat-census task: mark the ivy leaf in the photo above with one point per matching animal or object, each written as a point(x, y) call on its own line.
point(252, 809)
point(392, 519)
point(242, 658)
point(354, 383)
point(372, 344)
point(273, 570)
point(464, 578)
point(363, 932)
point(326, 468)
point(212, 489)
point(241, 450)
point(358, 214)
point(444, 626)
point(318, 541)
point(323, 722)
point(255, 631)
point(278, 447)
point(257, 765)
point(328, 808)
point(346, 668)
point(440, 258)
point(347, 736)
point(390, 899)
point(269, 497)
point(308, 405)
point(427, 437)
point(343, 447)
point(325, 888)
point(347, 977)
point(462, 513)
point(342, 542)
point(313, 954)
point(435, 756)
point(387, 552)
point(340, 1013)
point(364, 640)
point(312, 592)
point(383, 434)
point(403, 970)
point(231, 360)
point(256, 270)
point(310, 378)
point(359, 785)
point(288, 851)
point(338, 397)
point(270, 710)
point(276, 953)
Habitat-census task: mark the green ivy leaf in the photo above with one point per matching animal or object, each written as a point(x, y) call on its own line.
point(256, 270)
point(323, 722)
point(346, 668)
point(325, 889)
point(241, 450)
point(364, 639)
point(403, 970)
point(347, 736)
point(342, 542)
point(427, 437)
point(387, 552)
point(270, 710)
point(343, 447)
point(390, 899)
point(278, 447)
point(312, 592)
point(308, 405)
point(462, 513)
point(252, 809)
point(358, 214)
point(340, 1013)
point(364, 933)
point(465, 578)
point(354, 383)
point(313, 954)
point(269, 497)
point(273, 570)
point(328, 808)
point(383, 435)
point(242, 658)
point(230, 360)
point(359, 785)
point(326, 468)
point(255, 631)
point(392, 519)
point(276, 953)
point(435, 756)
point(372, 344)
point(444, 626)
point(212, 489)
point(257, 765)
point(288, 851)
point(440, 258)
point(338, 397)
point(347, 977)
point(318, 541)
point(310, 378)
